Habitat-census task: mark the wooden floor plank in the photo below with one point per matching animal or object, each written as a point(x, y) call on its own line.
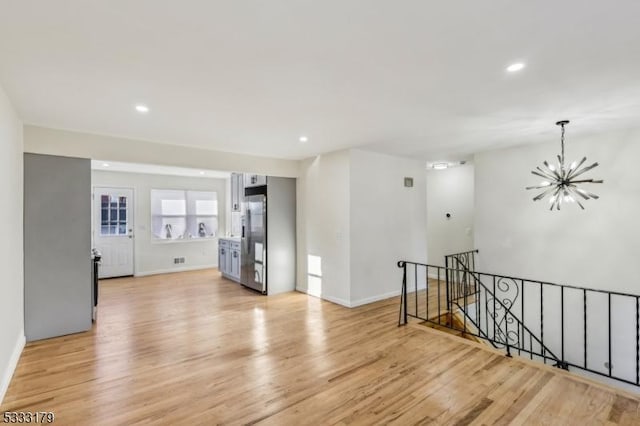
point(193, 348)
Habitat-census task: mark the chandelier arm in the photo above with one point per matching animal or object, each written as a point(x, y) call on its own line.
point(586, 181)
point(580, 192)
point(555, 198)
point(544, 175)
point(587, 193)
point(537, 187)
point(584, 170)
point(543, 194)
point(553, 172)
point(577, 167)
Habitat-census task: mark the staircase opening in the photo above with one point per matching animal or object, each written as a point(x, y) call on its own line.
point(592, 332)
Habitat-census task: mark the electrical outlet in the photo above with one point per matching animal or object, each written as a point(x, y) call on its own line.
point(182, 260)
point(176, 260)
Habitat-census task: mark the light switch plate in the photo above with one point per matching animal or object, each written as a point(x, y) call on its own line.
point(408, 182)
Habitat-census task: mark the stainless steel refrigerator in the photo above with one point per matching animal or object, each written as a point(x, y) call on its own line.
point(254, 232)
point(268, 258)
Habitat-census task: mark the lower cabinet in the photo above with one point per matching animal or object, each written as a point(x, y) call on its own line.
point(229, 259)
point(235, 263)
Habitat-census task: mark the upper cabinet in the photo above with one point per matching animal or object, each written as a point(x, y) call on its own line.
point(254, 180)
point(237, 191)
point(240, 181)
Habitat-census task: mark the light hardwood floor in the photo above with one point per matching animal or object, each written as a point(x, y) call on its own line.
point(192, 348)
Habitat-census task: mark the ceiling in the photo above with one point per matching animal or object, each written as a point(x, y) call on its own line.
point(411, 77)
point(153, 169)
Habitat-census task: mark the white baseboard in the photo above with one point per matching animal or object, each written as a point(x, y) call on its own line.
point(331, 299)
point(172, 270)
point(7, 374)
point(376, 298)
point(357, 303)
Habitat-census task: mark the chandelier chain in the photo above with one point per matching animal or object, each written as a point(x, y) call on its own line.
point(562, 146)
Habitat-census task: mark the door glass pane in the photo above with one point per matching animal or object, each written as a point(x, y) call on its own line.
point(113, 215)
point(122, 216)
point(104, 214)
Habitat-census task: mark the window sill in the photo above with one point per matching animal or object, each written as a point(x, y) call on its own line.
point(183, 240)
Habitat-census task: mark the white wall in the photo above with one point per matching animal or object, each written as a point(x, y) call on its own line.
point(43, 140)
point(388, 222)
point(596, 248)
point(11, 244)
point(356, 215)
point(323, 225)
point(449, 191)
point(157, 257)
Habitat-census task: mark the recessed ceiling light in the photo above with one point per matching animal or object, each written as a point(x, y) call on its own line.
point(440, 166)
point(105, 164)
point(304, 139)
point(202, 173)
point(143, 109)
point(515, 67)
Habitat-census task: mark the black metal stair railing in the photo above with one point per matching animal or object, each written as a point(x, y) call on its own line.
point(593, 331)
point(495, 310)
point(483, 315)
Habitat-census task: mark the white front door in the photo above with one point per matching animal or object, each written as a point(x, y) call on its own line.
point(113, 230)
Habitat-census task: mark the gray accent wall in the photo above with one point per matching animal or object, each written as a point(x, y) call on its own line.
point(281, 235)
point(57, 245)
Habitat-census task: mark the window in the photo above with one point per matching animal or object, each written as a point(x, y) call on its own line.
point(113, 215)
point(183, 215)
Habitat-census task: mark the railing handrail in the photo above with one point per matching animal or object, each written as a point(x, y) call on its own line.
point(613, 293)
point(507, 311)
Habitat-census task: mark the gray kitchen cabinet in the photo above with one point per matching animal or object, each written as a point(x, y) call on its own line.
point(235, 261)
point(251, 180)
point(229, 258)
point(237, 191)
point(223, 251)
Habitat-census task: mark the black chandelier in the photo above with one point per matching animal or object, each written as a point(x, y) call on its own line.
point(561, 181)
